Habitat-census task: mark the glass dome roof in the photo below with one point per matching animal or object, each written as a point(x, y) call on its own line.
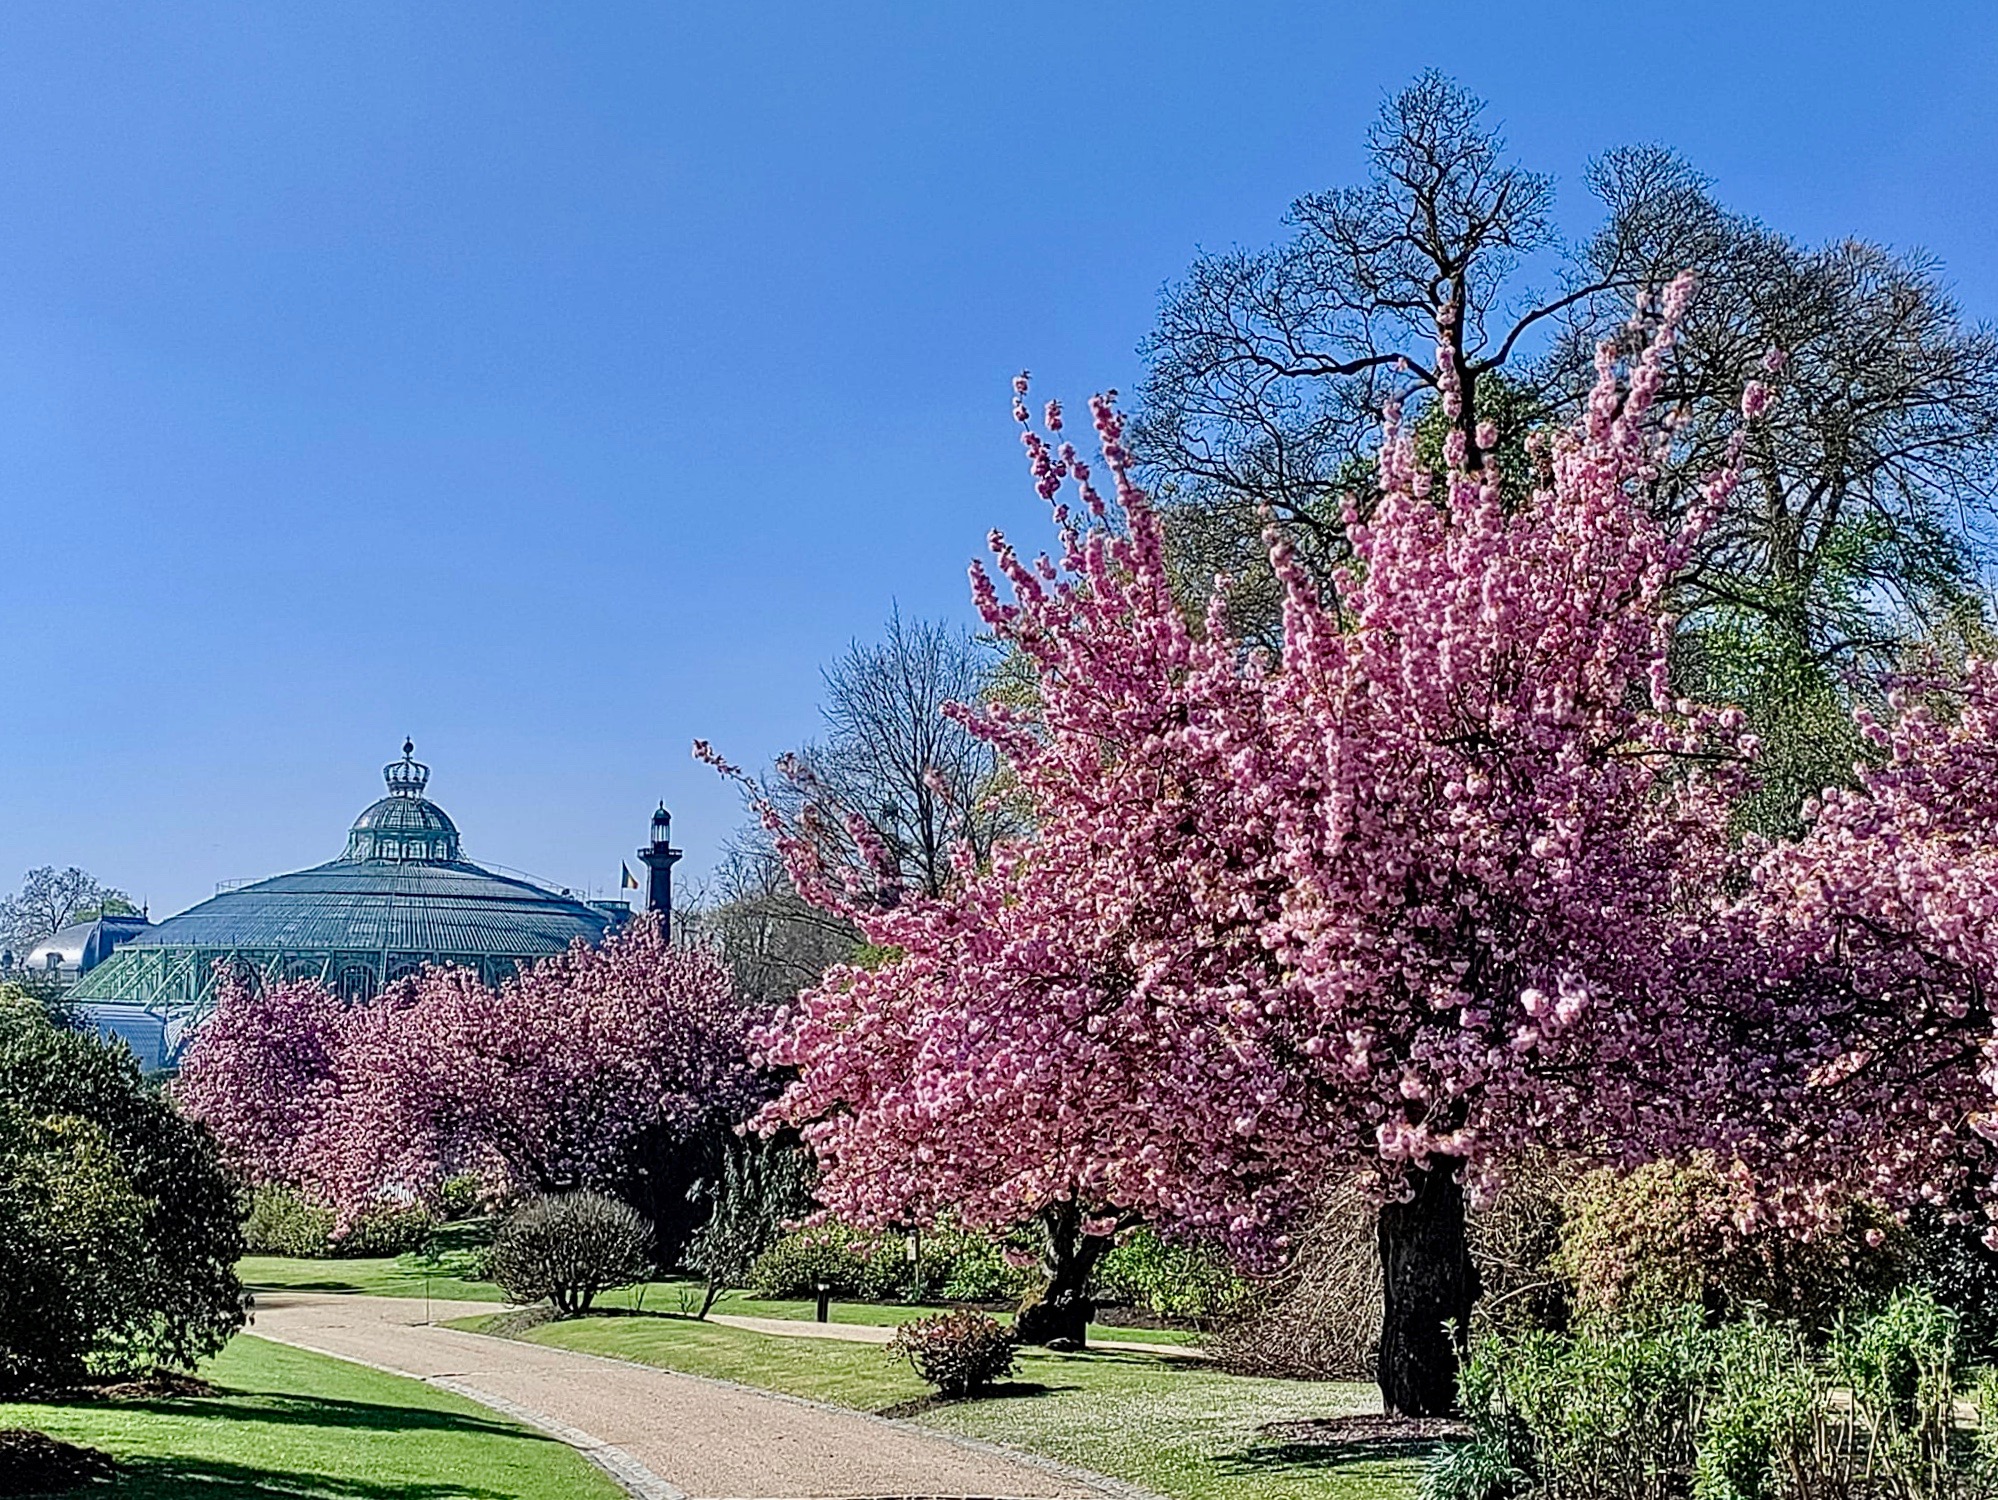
point(402, 895)
point(404, 825)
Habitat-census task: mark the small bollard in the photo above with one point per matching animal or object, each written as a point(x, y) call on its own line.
point(825, 1303)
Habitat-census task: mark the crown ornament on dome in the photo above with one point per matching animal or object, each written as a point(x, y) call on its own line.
point(406, 777)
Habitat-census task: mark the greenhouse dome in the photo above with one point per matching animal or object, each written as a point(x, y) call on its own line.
point(401, 896)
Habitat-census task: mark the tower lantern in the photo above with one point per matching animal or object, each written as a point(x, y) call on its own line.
point(660, 856)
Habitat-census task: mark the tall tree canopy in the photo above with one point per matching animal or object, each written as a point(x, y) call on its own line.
point(1865, 516)
point(49, 900)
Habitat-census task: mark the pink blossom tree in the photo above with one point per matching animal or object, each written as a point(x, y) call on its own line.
point(1417, 893)
point(546, 1081)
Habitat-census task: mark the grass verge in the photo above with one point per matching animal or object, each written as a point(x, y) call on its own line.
point(1179, 1428)
point(392, 1278)
point(305, 1427)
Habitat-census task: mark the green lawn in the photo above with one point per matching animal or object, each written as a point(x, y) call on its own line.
point(303, 1427)
point(1180, 1428)
point(387, 1278)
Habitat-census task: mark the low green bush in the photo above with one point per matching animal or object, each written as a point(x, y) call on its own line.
point(960, 1352)
point(282, 1222)
point(973, 1268)
point(1168, 1279)
point(955, 1265)
point(460, 1197)
point(830, 1255)
point(384, 1232)
point(1748, 1410)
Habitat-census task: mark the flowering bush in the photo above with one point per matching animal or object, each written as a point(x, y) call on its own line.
point(957, 1352)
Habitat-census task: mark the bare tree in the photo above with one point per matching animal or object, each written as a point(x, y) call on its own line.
point(892, 764)
point(892, 758)
point(51, 899)
point(1864, 526)
point(774, 941)
point(1269, 369)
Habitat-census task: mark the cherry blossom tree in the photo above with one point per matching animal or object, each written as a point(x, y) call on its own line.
point(1403, 895)
point(545, 1082)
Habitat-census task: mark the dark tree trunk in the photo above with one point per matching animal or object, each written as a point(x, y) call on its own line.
point(1429, 1285)
point(1060, 1314)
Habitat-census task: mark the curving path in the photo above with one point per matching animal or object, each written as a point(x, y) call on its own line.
point(665, 1436)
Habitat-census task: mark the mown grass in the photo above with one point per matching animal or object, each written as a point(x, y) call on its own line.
point(302, 1426)
point(1174, 1426)
point(401, 1278)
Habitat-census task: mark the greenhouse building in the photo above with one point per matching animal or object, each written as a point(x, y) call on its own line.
point(401, 896)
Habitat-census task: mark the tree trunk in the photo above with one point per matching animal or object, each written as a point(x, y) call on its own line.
point(1429, 1285)
point(1060, 1314)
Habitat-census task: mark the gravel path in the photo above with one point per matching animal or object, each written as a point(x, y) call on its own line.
point(663, 1435)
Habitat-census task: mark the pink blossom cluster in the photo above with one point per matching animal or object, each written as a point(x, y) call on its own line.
point(546, 1080)
point(1451, 877)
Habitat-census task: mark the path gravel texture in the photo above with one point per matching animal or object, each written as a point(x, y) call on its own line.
point(663, 1435)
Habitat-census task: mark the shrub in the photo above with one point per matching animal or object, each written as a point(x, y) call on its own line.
point(119, 1229)
point(1749, 1410)
point(797, 1263)
point(568, 1247)
point(1168, 1279)
point(397, 1230)
point(1639, 1244)
point(73, 1251)
point(957, 1352)
point(974, 1268)
point(957, 1264)
point(460, 1197)
point(282, 1222)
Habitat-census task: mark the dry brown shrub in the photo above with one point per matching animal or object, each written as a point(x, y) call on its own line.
point(1320, 1317)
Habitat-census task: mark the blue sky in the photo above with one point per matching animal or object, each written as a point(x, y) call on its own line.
point(560, 383)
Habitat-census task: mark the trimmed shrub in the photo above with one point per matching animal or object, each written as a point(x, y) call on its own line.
point(119, 1229)
point(957, 1352)
point(568, 1247)
point(1168, 1279)
point(282, 1222)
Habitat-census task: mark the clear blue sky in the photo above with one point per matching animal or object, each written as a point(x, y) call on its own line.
point(560, 383)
